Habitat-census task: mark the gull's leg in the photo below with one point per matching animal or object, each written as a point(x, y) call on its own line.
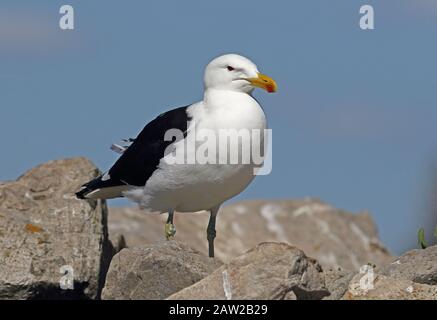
point(170, 229)
point(210, 231)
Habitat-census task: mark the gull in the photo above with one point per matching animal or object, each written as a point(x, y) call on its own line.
point(146, 172)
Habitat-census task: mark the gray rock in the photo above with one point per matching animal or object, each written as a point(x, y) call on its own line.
point(334, 237)
point(337, 282)
point(418, 265)
point(155, 271)
point(47, 236)
point(387, 288)
point(118, 242)
point(269, 271)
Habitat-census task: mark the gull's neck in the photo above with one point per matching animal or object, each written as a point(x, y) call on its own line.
point(214, 96)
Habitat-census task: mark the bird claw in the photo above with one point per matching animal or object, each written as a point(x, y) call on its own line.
point(170, 231)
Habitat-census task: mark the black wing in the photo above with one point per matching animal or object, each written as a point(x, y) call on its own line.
point(141, 159)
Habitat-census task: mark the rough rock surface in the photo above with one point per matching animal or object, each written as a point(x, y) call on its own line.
point(44, 228)
point(337, 282)
point(416, 265)
point(47, 236)
point(334, 237)
point(269, 271)
point(387, 288)
point(155, 271)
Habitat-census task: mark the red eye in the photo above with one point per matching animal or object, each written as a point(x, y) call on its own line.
point(230, 68)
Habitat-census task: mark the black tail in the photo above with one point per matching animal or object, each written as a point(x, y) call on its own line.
point(102, 187)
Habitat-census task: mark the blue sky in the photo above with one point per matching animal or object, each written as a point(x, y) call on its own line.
point(354, 122)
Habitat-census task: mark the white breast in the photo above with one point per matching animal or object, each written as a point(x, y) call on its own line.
point(195, 187)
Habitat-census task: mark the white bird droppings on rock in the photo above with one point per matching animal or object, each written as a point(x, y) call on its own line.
point(310, 209)
point(269, 213)
point(226, 285)
point(236, 228)
point(239, 209)
point(360, 234)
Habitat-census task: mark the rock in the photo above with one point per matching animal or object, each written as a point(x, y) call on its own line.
point(47, 236)
point(386, 288)
point(416, 265)
point(118, 242)
point(155, 271)
point(337, 282)
point(334, 237)
point(269, 271)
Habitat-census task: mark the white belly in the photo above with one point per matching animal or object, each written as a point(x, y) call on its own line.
point(195, 188)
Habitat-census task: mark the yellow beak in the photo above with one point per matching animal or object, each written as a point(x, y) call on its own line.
point(264, 82)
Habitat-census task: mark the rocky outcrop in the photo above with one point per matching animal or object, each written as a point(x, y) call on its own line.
point(419, 266)
point(334, 237)
point(337, 282)
point(387, 288)
point(413, 276)
point(55, 246)
point(51, 244)
point(155, 271)
point(269, 271)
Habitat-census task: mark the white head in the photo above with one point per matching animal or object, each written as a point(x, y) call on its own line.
point(236, 73)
